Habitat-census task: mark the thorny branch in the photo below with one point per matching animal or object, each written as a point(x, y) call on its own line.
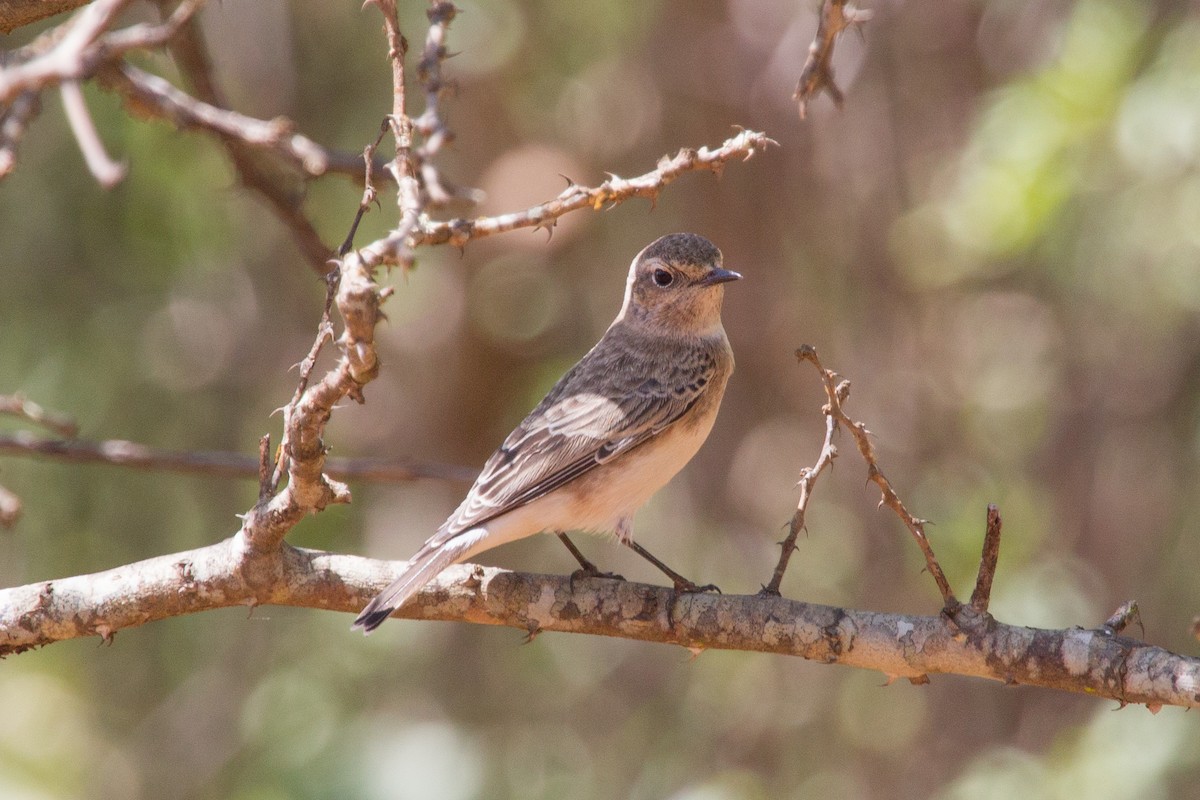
point(357, 297)
point(817, 74)
point(862, 437)
point(457, 232)
point(150, 95)
point(808, 479)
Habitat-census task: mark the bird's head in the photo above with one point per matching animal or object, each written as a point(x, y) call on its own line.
point(676, 285)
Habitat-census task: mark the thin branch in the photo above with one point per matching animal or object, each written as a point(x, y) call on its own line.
point(408, 189)
point(370, 196)
point(458, 232)
point(303, 453)
point(808, 479)
point(231, 574)
point(306, 365)
point(987, 561)
point(1120, 619)
point(115, 452)
point(108, 173)
point(18, 405)
point(889, 497)
point(434, 132)
point(817, 74)
point(151, 95)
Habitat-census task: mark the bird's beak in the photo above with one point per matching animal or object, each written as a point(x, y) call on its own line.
point(720, 276)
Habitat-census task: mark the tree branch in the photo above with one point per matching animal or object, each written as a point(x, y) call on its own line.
point(458, 232)
point(151, 95)
point(231, 573)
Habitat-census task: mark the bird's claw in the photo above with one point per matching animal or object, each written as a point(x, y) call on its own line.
point(584, 572)
point(687, 587)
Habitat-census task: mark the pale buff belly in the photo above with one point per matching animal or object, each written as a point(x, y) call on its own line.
point(605, 499)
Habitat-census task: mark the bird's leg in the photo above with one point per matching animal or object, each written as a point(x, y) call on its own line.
point(586, 568)
point(682, 584)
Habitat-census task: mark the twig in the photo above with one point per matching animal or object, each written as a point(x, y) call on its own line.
point(218, 464)
point(987, 561)
point(152, 95)
point(817, 74)
point(108, 173)
point(18, 406)
point(408, 188)
point(458, 232)
point(15, 15)
point(889, 497)
point(266, 484)
point(309, 488)
point(370, 196)
point(1119, 620)
point(306, 365)
point(808, 479)
point(429, 124)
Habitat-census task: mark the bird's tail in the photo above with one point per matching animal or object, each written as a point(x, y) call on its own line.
point(433, 557)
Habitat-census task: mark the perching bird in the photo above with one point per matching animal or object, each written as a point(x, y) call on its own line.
point(612, 431)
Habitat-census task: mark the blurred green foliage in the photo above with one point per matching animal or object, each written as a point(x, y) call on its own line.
point(996, 239)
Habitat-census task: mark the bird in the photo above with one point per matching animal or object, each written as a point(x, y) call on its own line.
point(610, 433)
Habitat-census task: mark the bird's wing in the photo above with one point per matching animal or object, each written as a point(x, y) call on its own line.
point(594, 414)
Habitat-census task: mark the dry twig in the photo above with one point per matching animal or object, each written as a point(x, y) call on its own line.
point(987, 561)
point(808, 479)
point(457, 232)
point(817, 74)
point(1119, 620)
point(916, 526)
point(108, 173)
point(273, 178)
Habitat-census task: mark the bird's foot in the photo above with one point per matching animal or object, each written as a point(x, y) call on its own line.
point(685, 586)
point(591, 571)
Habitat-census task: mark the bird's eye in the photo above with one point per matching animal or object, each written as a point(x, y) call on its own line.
point(663, 278)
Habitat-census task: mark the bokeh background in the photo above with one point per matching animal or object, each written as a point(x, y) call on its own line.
point(997, 240)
